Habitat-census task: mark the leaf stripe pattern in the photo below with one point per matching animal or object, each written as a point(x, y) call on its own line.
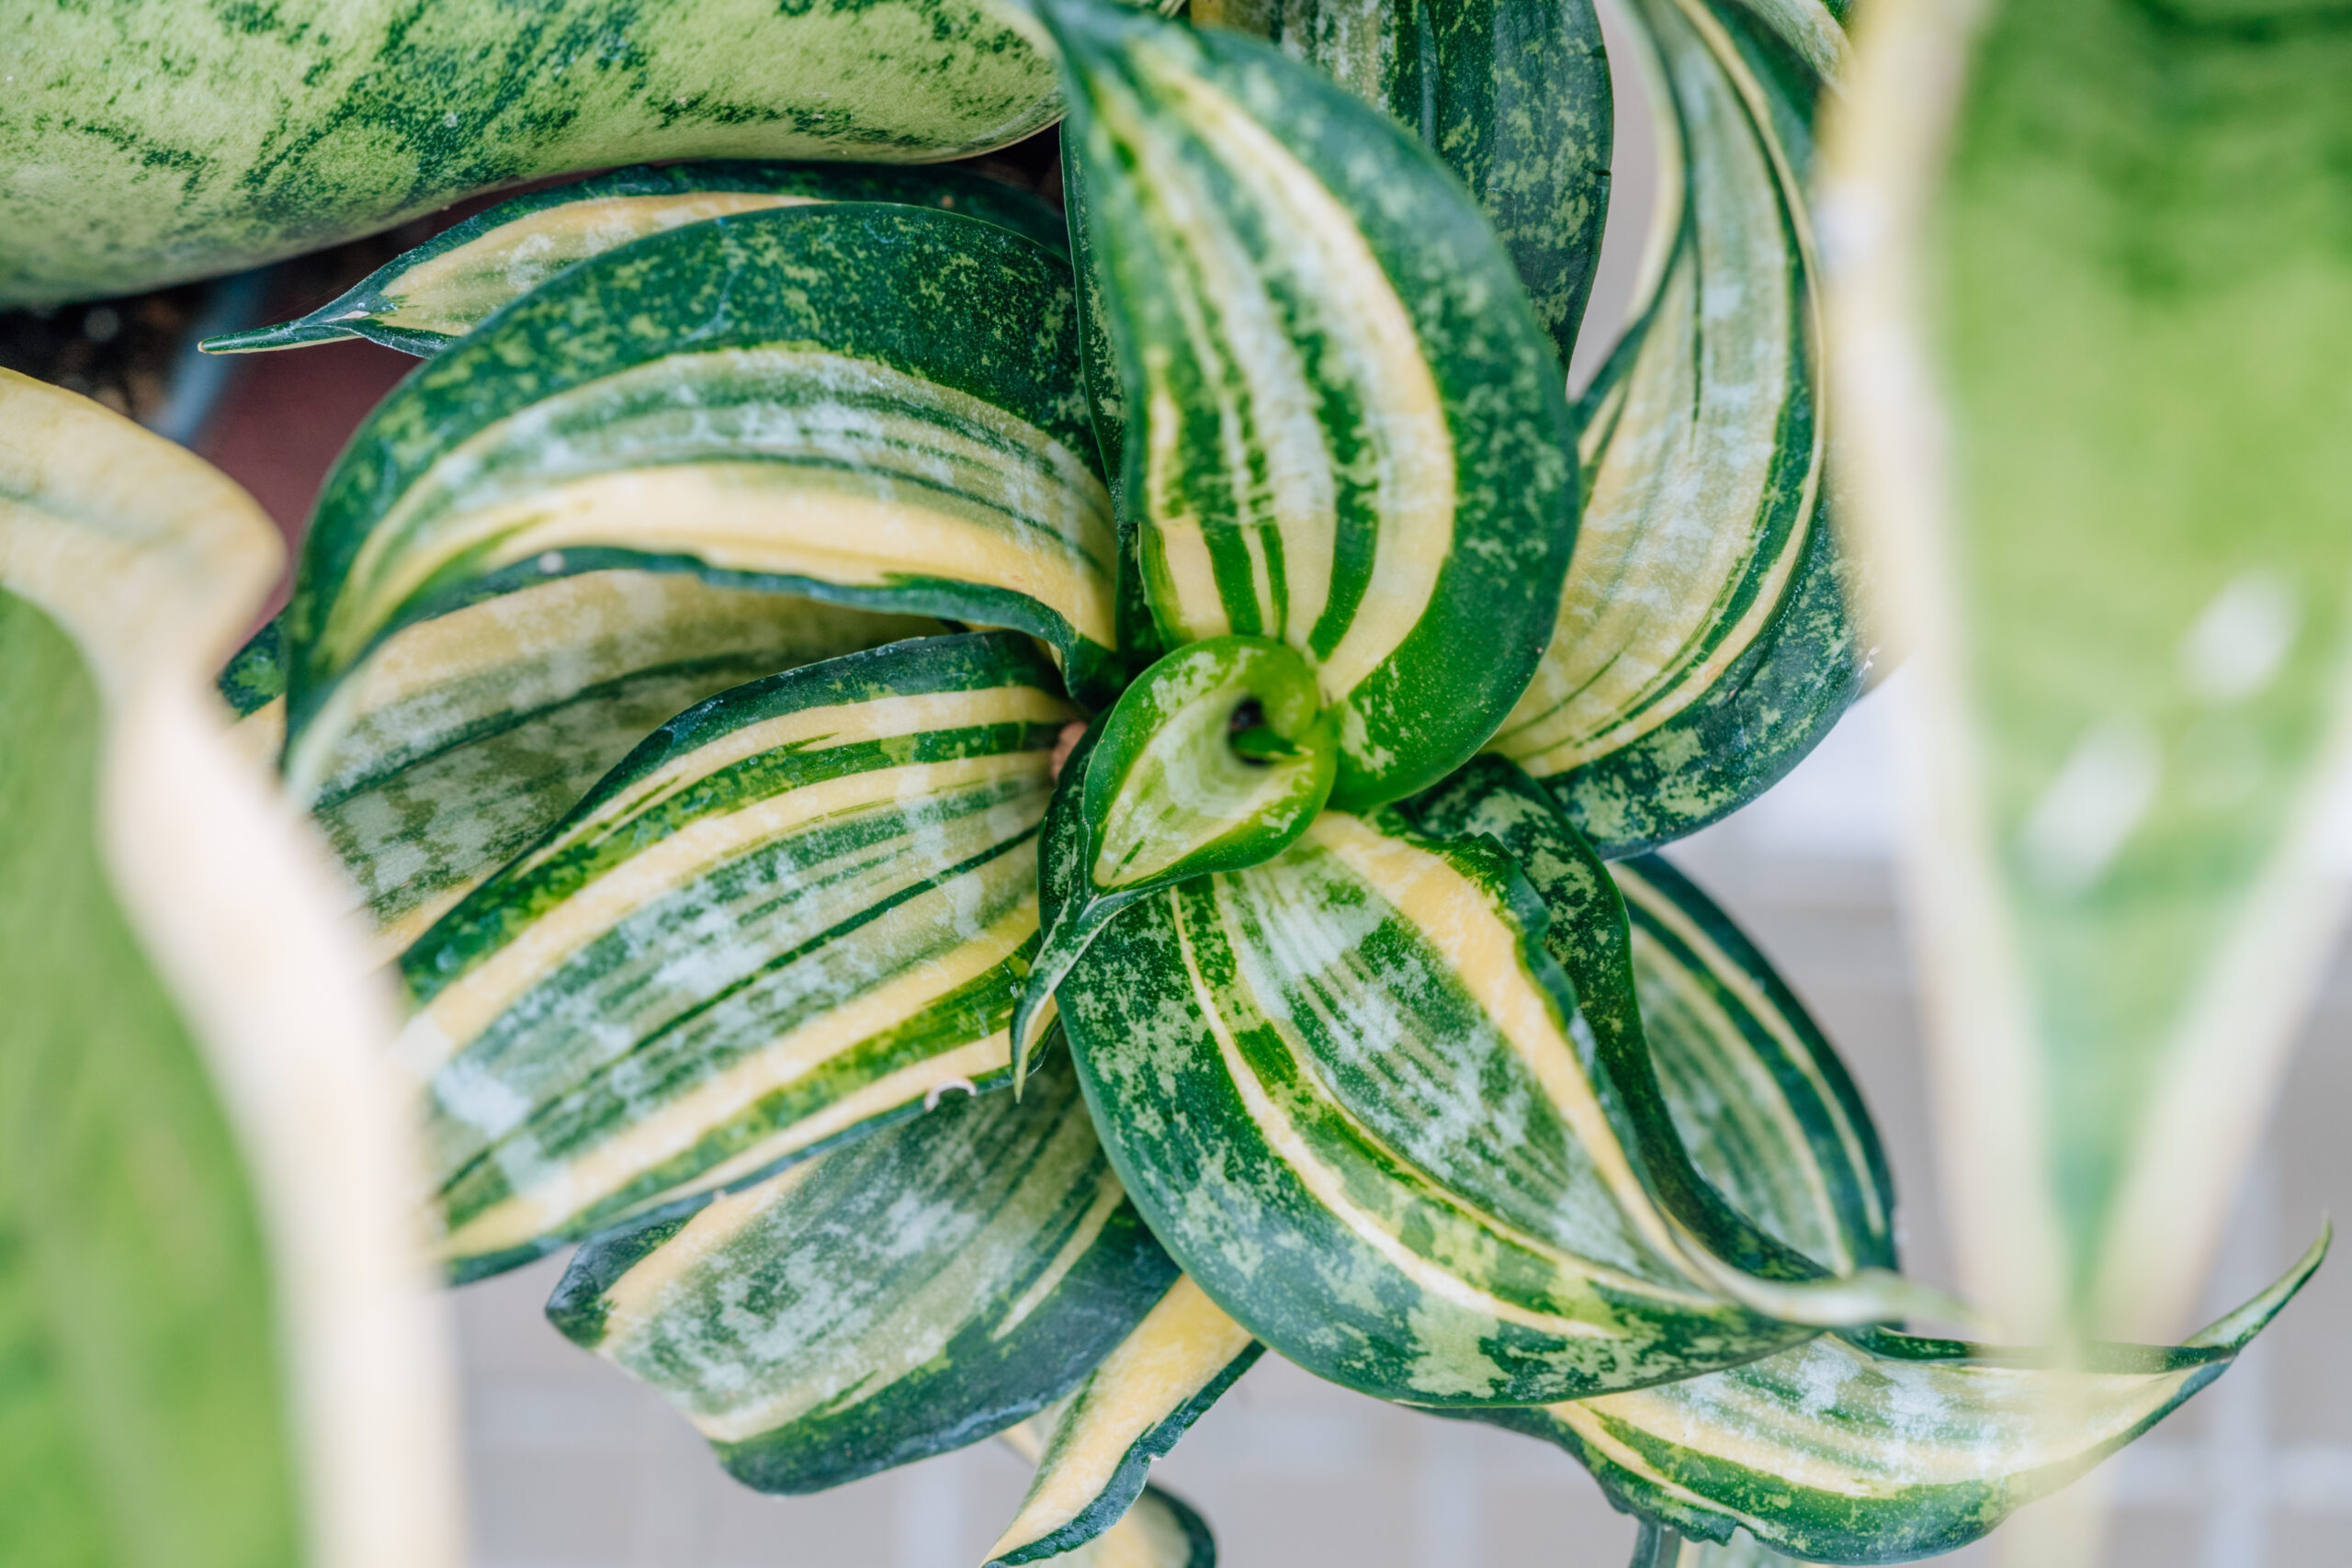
point(911, 1293)
point(794, 910)
point(1703, 644)
point(1855, 1447)
point(473, 733)
point(1834, 1454)
point(1768, 1112)
point(1514, 94)
point(1130, 1410)
point(1345, 429)
point(1288, 1062)
point(428, 298)
point(911, 437)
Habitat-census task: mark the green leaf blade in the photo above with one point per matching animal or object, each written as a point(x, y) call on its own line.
point(912, 1293)
point(723, 400)
point(425, 300)
point(1345, 428)
point(795, 912)
point(1704, 643)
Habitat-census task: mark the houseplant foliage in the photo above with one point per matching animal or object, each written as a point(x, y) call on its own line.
point(993, 818)
point(2130, 897)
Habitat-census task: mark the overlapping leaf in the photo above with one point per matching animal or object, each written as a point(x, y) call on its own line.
point(796, 908)
point(913, 1293)
point(871, 405)
point(1288, 1063)
point(472, 733)
point(425, 300)
point(1514, 95)
point(1703, 643)
point(1868, 1447)
point(1344, 428)
point(1101, 1441)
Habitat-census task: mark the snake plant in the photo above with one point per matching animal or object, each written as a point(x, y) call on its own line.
point(988, 809)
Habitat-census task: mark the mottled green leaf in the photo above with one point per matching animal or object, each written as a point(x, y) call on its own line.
point(1703, 643)
point(795, 911)
point(1301, 1069)
point(423, 301)
point(1345, 429)
point(1514, 95)
point(178, 138)
point(911, 1293)
point(1214, 759)
point(877, 406)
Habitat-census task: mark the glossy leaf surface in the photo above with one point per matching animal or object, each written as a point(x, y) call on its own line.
point(1703, 644)
point(1214, 759)
point(877, 406)
point(913, 1293)
point(1345, 428)
point(422, 301)
point(795, 909)
point(1289, 1063)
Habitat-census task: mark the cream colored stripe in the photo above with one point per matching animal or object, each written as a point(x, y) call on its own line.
point(1458, 921)
point(837, 724)
point(1089, 1225)
point(746, 517)
point(1019, 510)
point(471, 1003)
point(991, 1054)
point(1410, 440)
point(1328, 1188)
point(566, 1190)
point(518, 255)
point(1744, 989)
point(2048, 1415)
point(1181, 1345)
point(635, 1298)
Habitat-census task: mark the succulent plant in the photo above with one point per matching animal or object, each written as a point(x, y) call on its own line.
point(997, 810)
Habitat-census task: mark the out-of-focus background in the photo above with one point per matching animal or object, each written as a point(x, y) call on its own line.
point(570, 1465)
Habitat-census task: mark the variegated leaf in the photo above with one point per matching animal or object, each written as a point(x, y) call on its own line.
point(2092, 331)
point(872, 405)
point(1346, 430)
point(1868, 1447)
point(1214, 759)
point(1514, 95)
point(1099, 1442)
point(1888, 1450)
point(1703, 644)
point(216, 1346)
point(795, 909)
point(1299, 1070)
point(428, 298)
point(1769, 1114)
point(472, 733)
point(911, 1293)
